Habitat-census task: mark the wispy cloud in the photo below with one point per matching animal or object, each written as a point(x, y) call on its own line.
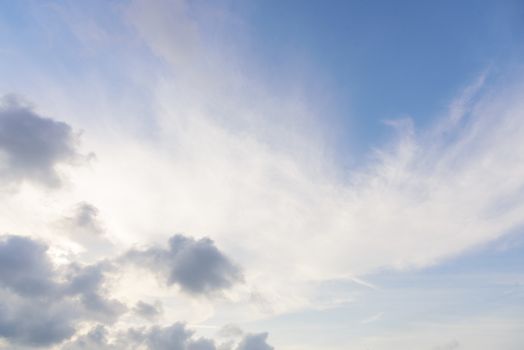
point(190, 137)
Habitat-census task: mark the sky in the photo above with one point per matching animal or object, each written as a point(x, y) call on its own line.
point(261, 175)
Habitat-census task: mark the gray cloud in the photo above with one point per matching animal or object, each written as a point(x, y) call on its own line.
point(254, 342)
point(197, 266)
point(36, 322)
point(84, 225)
point(147, 311)
point(174, 337)
point(85, 218)
point(41, 305)
point(31, 146)
point(96, 338)
point(24, 267)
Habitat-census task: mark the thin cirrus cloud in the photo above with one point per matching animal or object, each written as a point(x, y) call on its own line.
point(247, 163)
point(258, 195)
point(424, 197)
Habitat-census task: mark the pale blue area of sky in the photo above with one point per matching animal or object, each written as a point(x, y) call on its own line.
point(486, 281)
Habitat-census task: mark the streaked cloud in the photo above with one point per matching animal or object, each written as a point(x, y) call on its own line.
point(192, 136)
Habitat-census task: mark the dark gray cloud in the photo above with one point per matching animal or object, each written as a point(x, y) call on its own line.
point(31, 146)
point(197, 266)
point(37, 323)
point(254, 342)
point(24, 267)
point(41, 305)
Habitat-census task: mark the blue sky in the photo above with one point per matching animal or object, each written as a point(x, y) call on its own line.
point(385, 60)
point(256, 175)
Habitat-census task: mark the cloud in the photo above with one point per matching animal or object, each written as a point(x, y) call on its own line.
point(287, 220)
point(86, 219)
point(254, 342)
point(96, 338)
point(36, 322)
point(83, 225)
point(420, 199)
point(32, 146)
point(172, 337)
point(197, 266)
point(218, 162)
point(148, 311)
point(41, 304)
point(25, 268)
point(230, 331)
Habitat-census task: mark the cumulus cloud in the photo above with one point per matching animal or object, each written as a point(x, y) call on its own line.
point(173, 337)
point(42, 304)
point(24, 267)
point(32, 146)
point(96, 338)
point(254, 342)
point(197, 266)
